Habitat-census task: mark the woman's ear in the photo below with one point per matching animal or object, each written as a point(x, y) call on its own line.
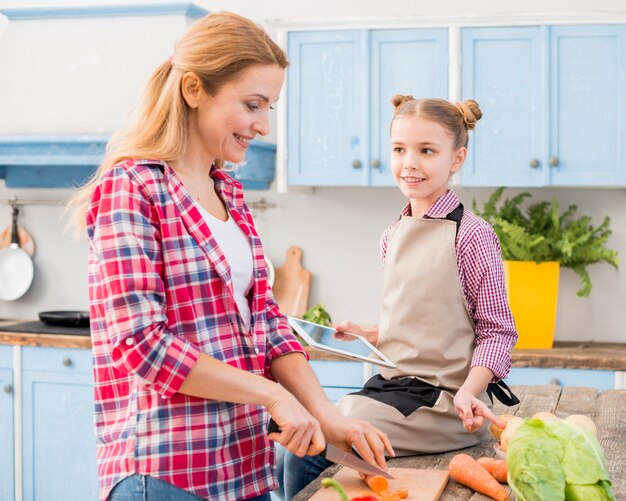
point(191, 87)
point(458, 160)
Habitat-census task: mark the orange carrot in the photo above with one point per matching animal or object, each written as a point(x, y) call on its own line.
point(465, 470)
point(403, 493)
point(389, 496)
point(377, 483)
point(496, 467)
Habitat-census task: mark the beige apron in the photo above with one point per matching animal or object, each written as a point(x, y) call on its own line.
point(425, 328)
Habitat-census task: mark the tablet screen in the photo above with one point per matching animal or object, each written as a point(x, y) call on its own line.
point(321, 337)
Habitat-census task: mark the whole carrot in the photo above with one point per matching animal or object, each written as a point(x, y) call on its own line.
point(496, 467)
point(465, 470)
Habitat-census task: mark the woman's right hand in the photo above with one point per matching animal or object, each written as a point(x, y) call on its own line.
point(300, 432)
point(370, 333)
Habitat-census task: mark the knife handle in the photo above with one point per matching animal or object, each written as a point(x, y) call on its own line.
point(274, 428)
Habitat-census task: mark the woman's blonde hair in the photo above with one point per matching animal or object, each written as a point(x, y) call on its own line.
point(216, 48)
point(457, 118)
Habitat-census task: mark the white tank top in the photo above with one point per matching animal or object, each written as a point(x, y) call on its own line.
point(235, 246)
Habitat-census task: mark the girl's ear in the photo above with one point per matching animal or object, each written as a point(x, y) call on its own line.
point(458, 160)
point(191, 87)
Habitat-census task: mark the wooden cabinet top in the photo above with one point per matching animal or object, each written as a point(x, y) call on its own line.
point(573, 355)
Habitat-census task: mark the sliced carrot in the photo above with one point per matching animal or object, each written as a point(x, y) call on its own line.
point(403, 493)
point(377, 483)
point(389, 496)
point(496, 467)
point(465, 470)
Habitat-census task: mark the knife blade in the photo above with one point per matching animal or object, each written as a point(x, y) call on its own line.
point(337, 455)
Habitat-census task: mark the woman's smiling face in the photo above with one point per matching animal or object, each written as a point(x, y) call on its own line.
point(423, 158)
point(226, 122)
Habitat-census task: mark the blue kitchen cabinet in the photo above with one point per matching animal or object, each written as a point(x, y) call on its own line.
point(338, 378)
point(587, 105)
point(59, 444)
point(7, 458)
point(553, 100)
point(501, 70)
point(600, 379)
point(340, 85)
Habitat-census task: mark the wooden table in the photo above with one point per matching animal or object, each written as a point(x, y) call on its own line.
point(606, 408)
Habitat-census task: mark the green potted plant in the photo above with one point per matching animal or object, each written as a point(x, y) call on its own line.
point(536, 241)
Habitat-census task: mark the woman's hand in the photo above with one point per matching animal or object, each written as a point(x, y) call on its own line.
point(369, 333)
point(473, 412)
point(300, 432)
point(369, 442)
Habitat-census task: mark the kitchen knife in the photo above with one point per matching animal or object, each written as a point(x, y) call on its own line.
point(337, 455)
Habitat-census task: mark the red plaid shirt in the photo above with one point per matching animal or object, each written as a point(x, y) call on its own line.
point(479, 264)
point(160, 294)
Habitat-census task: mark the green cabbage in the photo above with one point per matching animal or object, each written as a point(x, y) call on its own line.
point(556, 460)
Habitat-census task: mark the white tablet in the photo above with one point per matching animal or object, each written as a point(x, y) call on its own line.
point(321, 337)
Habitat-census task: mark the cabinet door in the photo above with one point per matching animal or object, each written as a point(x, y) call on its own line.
point(338, 378)
point(501, 70)
point(326, 125)
point(409, 62)
point(588, 105)
point(59, 444)
point(7, 470)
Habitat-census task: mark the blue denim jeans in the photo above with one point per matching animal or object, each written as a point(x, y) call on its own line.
point(145, 488)
point(295, 473)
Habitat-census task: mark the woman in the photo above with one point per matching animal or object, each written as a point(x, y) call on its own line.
point(191, 354)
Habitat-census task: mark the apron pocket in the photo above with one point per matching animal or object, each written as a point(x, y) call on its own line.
point(405, 394)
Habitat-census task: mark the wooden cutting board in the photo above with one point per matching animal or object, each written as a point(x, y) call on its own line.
point(291, 285)
point(423, 485)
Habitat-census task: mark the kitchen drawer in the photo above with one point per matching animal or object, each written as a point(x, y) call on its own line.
point(602, 380)
point(338, 374)
point(334, 393)
point(66, 360)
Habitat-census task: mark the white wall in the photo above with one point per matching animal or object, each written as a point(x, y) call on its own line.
point(338, 228)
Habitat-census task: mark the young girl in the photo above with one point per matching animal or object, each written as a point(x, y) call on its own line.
point(445, 320)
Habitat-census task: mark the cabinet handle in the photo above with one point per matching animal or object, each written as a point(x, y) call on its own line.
point(8, 389)
point(555, 381)
point(67, 362)
point(356, 164)
point(534, 163)
point(554, 161)
point(375, 163)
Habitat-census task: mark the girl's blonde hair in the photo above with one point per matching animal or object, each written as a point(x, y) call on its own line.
point(457, 118)
point(216, 48)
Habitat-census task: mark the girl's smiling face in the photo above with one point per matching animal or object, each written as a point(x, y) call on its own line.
point(423, 158)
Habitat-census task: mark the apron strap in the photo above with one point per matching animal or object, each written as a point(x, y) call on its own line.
point(500, 390)
point(456, 215)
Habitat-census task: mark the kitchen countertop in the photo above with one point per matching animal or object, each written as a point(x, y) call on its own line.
point(573, 355)
point(606, 408)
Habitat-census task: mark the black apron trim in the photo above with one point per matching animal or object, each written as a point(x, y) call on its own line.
point(500, 390)
point(456, 215)
point(405, 394)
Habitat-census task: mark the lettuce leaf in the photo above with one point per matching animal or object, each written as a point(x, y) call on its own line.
point(557, 460)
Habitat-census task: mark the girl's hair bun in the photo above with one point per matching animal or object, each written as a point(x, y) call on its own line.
point(398, 100)
point(470, 111)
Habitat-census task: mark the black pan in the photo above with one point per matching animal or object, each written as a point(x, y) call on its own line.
point(65, 318)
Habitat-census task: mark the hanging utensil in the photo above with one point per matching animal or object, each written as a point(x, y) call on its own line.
point(16, 266)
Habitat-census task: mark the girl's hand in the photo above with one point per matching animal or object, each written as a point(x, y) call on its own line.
point(368, 441)
point(473, 412)
point(369, 333)
point(300, 432)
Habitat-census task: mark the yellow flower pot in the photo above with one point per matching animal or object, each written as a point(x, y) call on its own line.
point(533, 291)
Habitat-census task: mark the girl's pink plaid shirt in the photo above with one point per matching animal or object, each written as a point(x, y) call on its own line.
point(160, 294)
point(479, 264)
